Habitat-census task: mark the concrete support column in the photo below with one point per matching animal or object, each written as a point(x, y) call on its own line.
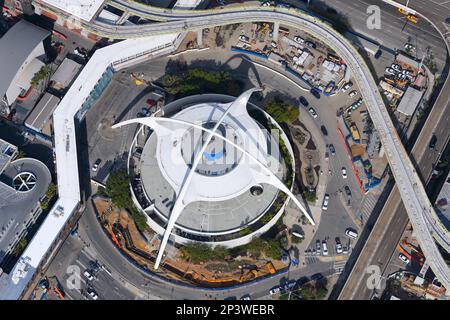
point(200, 38)
point(123, 18)
point(276, 27)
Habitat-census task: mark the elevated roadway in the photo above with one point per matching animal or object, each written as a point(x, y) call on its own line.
point(393, 217)
point(415, 199)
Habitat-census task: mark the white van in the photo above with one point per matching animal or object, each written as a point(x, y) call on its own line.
point(351, 233)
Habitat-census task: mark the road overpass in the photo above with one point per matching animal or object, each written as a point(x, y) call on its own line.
point(392, 220)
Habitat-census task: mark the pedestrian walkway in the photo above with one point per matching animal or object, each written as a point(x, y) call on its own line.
point(311, 260)
point(338, 266)
point(367, 206)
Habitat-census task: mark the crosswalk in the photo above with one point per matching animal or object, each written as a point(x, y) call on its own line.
point(367, 206)
point(338, 266)
point(311, 260)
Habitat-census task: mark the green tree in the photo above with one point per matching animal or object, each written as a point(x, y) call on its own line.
point(20, 247)
point(199, 252)
point(118, 189)
point(197, 81)
point(139, 219)
point(282, 111)
point(273, 250)
point(43, 73)
point(310, 196)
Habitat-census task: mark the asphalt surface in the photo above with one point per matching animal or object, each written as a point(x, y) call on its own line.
point(393, 218)
point(395, 31)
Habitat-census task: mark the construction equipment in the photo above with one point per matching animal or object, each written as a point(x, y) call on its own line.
point(402, 250)
point(270, 268)
point(413, 248)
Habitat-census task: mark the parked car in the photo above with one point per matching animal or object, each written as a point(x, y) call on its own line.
point(246, 297)
point(313, 112)
point(274, 44)
point(88, 275)
point(396, 67)
point(339, 248)
point(244, 38)
point(346, 86)
point(351, 233)
point(344, 172)
point(274, 290)
point(318, 248)
point(409, 46)
point(299, 40)
point(324, 130)
point(317, 277)
point(310, 44)
point(266, 4)
point(151, 102)
point(304, 102)
point(324, 248)
point(96, 165)
point(390, 71)
point(332, 149)
point(327, 155)
point(92, 293)
point(291, 284)
point(326, 198)
point(145, 111)
point(403, 258)
point(353, 93)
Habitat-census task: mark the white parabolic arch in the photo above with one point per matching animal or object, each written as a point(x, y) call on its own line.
point(235, 108)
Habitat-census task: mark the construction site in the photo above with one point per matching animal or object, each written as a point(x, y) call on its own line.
point(48, 288)
point(406, 85)
point(363, 145)
point(415, 280)
point(141, 250)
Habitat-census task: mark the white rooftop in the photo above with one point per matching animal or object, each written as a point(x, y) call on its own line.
point(410, 101)
point(66, 157)
point(83, 9)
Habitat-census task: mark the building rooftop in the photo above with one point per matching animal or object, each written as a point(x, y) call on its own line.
point(7, 152)
point(22, 184)
point(83, 9)
point(410, 101)
point(37, 119)
point(65, 74)
point(15, 47)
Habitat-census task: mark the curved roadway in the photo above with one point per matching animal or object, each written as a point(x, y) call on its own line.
point(415, 199)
